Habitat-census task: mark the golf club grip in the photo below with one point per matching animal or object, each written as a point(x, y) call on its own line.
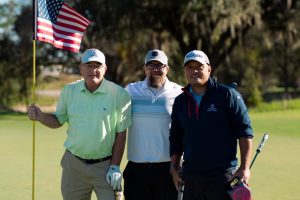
point(262, 143)
point(180, 191)
point(118, 194)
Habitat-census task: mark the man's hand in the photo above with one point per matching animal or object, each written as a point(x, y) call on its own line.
point(243, 174)
point(114, 177)
point(176, 177)
point(34, 112)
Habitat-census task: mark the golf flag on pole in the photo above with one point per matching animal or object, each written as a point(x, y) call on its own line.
point(59, 25)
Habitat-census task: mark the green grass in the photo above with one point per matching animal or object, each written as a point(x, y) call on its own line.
point(275, 174)
point(292, 104)
point(16, 159)
point(16, 142)
point(285, 123)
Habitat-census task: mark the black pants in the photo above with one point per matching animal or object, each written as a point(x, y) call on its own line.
point(212, 187)
point(148, 181)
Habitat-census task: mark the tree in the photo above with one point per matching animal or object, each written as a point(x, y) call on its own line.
point(6, 47)
point(7, 11)
point(240, 37)
point(282, 19)
point(174, 26)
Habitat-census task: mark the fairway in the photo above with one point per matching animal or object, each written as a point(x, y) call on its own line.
point(275, 174)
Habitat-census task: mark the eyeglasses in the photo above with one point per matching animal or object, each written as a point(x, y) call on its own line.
point(158, 66)
point(93, 65)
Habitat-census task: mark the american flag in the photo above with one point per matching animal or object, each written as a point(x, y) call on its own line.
point(60, 25)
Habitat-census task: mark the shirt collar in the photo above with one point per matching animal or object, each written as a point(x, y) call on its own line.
point(191, 91)
point(194, 94)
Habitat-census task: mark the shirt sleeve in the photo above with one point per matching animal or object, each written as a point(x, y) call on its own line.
point(176, 131)
point(124, 111)
point(239, 115)
point(61, 112)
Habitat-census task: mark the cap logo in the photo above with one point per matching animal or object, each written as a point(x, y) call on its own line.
point(194, 55)
point(93, 53)
point(154, 53)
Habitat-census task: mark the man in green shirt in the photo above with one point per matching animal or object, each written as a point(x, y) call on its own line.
point(98, 113)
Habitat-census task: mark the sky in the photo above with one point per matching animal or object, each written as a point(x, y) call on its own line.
point(19, 1)
point(17, 10)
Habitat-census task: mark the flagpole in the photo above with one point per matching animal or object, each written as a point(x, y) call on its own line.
point(33, 124)
point(33, 95)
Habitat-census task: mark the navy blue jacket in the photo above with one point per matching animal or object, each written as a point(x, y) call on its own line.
point(208, 134)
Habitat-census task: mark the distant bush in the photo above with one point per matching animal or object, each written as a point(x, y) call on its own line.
point(277, 105)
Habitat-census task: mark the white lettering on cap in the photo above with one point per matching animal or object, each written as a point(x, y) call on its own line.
point(192, 54)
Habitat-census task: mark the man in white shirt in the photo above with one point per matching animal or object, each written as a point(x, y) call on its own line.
point(147, 174)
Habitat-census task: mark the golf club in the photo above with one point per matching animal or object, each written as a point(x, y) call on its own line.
point(180, 191)
point(118, 194)
point(181, 184)
point(259, 148)
point(239, 190)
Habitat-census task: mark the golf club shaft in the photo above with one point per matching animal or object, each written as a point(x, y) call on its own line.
point(253, 160)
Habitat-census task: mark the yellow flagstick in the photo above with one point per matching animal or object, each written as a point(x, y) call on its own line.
point(33, 123)
point(34, 4)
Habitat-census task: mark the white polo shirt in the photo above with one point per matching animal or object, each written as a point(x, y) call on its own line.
point(148, 136)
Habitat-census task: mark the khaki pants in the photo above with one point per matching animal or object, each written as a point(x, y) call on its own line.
point(80, 179)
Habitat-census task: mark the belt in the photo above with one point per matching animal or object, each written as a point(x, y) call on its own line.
point(152, 164)
point(92, 161)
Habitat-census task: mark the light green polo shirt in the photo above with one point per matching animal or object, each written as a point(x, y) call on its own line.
point(93, 119)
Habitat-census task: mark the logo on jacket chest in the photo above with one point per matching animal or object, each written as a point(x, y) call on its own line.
point(212, 108)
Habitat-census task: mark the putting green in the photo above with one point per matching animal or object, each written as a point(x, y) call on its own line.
point(275, 174)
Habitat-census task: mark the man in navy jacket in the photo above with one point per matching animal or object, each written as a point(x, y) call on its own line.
point(208, 120)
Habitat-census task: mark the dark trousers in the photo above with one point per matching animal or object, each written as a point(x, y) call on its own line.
point(206, 188)
point(148, 181)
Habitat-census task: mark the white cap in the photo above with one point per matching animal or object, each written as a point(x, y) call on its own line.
point(93, 55)
point(196, 55)
point(157, 55)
